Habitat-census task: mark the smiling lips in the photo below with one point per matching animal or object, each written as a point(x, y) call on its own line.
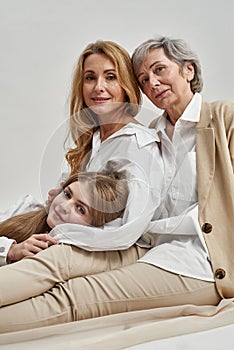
point(100, 99)
point(58, 215)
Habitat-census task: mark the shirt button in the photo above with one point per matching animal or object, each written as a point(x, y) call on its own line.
point(206, 227)
point(2, 249)
point(220, 274)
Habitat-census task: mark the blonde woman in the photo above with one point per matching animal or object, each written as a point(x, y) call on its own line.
point(104, 102)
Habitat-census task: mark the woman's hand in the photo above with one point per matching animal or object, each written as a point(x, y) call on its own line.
point(53, 193)
point(30, 246)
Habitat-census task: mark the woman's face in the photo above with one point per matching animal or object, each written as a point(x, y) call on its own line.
point(100, 85)
point(72, 205)
point(164, 82)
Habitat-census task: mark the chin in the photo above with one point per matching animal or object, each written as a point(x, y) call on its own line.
point(100, 109)
point(50, 223)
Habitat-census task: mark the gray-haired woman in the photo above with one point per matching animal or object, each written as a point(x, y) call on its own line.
point(197, 145)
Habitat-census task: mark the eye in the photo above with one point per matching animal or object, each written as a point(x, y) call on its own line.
point(111, 77)
point(89, 77)
point(80, 209)
point(67, 194)
point(143, 81)
point(158, 70)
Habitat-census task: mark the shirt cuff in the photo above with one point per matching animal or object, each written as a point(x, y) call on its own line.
point(5, 244)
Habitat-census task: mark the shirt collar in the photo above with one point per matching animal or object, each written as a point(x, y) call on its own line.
point(190, 114)
point(193, 110)
point(144, 135)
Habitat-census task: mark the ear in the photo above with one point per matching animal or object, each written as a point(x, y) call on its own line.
point(189, 71)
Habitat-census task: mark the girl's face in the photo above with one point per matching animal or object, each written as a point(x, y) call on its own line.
point(72, 206)
point(163, 82)
point(100, 85)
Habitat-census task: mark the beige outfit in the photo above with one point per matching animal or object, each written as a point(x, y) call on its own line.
point(215, 167)
point(135, 286)
point(215, 155)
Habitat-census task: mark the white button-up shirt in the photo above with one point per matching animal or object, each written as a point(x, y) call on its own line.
point(177, 237)
point(133, 148)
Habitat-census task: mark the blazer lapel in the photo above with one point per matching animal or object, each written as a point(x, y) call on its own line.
point(205, 149)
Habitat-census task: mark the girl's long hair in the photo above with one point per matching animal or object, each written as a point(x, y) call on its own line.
point(108, 193)
point(21, 227)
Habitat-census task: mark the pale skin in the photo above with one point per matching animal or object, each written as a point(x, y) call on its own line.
point(29, 247)
point(104, 95)
point(165, 83)
point(72, 205)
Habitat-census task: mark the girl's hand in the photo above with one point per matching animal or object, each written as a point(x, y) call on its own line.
point(30, 246)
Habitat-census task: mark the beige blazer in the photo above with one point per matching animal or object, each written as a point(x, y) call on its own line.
point(215, 164)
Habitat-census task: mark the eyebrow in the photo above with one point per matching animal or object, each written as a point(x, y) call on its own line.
point(78, 201)
point(149, 68)
point(105, 71)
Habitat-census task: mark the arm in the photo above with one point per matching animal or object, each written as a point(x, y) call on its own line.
point(145, 168)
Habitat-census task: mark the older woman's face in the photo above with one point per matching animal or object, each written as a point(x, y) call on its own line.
point(101, 87)
point(164, 82)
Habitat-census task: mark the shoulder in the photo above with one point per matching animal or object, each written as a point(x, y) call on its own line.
point(223, 113)
point(222, 106)
point(142, 135)
point(217, 112)
point(218, 108)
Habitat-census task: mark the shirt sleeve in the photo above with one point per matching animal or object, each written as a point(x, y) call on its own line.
point(145, 171)
point(5, 244)
point(174, 227)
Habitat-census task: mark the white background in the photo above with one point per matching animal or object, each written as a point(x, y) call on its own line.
point(40, 43)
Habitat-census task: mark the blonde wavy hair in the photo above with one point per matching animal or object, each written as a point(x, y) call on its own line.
point(108, 193)
point(83, 121)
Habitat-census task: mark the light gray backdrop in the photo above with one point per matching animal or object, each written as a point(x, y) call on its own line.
point(40, 43)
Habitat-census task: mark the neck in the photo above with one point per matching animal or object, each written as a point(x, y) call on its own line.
point(110, 127)
point(175, 111)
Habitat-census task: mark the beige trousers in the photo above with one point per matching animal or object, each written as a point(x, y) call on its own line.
point(60, 296)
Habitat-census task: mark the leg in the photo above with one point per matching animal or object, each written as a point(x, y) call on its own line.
point(133, 287)
point(35, 275)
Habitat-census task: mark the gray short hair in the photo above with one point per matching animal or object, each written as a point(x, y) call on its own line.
point(176, 50)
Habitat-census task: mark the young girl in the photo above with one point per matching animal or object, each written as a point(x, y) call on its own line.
point(87, 198)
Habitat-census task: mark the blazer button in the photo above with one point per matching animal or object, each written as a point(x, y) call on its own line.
point(220, 274)
point(206, 227)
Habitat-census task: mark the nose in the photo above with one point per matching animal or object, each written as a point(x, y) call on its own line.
point(154, 82)
point(66, 206)
point(100, 85)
